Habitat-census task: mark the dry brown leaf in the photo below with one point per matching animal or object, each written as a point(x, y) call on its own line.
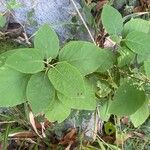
point(43, 129)
point(109, 139)
point(1, 148)
point(100, 4)
point(69, 137)
point(24, 134)
point(138, 9)
point(96, 122)
point(125, 120)
point(145, 3)
point(141, 135)
point(46, 124)
point(69, 146)
point(32, 121)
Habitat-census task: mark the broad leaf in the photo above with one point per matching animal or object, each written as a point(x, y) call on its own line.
point(87, 13)
point(40, 92)
point(85, 102)
point(109, 128)
point(139, 25)
point(103, 110)
point(26, 61)
point(103, 64)
point(5, 55)
point(141, 58)
point(67, 80)
point(147, 68)
point(57, 111)
point(85, 56)
point(140, 116)
point(2, 21)
point(12, 87)
point(112, 20)
point(47, 42)
point(127, 99)
point(138, 42)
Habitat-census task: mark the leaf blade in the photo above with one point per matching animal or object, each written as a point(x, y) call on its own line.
point(85, 56)
point(140, 116)
point(138, 24)
point(40, 92)
point(127, 100)
point(2, 21)
point(55, 113)
point(67, 80)
point(12, 87)
point(138, 42)
point(26, 60)
point(47, 42)
point(112, 20)
point(86, 102)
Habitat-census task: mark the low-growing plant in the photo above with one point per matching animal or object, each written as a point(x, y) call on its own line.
point(52, 81)
point(81, 75)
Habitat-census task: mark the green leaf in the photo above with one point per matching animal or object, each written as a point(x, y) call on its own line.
point(103, 64)
point(5, 55)
point(67, 80)
point(116, 38)
point(141, 58)
point(139, 25)
point(88, 15)
point(2, 21)
point(140, 116)
point(85, 102)
point(126, 57)
point(85, 56)
point(57, 112)
point(47, 42)
point(147, 68)
point(127, 99)
point(103, 110)
point(12, 87)
point(40, 92)
point(109, 128)
point(26, 60)
point(112, 20)
point(138, 42)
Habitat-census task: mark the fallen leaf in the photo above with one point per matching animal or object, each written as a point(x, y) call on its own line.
point(1, 146)
point(141, 135)
point(125, 120)
point(24, 134)
point(32, 121)
point(100, 4)
point(138, 9)
point(69, 137)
